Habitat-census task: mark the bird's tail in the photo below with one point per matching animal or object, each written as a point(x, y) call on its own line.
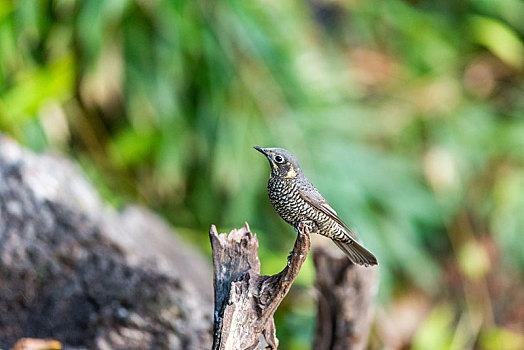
point(357, 253)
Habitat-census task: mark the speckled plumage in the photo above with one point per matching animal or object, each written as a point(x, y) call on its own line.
point(297, 201)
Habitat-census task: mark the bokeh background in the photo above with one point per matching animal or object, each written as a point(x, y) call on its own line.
point(407, 115)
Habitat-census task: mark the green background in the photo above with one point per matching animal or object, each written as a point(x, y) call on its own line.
point(407, 115)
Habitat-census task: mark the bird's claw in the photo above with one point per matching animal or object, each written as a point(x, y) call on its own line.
point(305, 227)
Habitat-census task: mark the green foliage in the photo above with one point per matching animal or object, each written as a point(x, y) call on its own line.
point(408, 116)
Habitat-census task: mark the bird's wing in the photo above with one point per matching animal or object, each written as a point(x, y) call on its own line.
point(317, 201)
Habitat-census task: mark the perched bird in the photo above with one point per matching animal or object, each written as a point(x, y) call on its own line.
point(299, 203)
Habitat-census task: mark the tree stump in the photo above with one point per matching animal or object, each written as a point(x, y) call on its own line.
point(345, 296)
point(246, 301)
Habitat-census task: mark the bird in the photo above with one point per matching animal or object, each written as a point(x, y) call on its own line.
point(301, 205)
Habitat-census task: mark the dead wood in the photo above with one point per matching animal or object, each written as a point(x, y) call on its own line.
point(246, 301)
point(345, 295)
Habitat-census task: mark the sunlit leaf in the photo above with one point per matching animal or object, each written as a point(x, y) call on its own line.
point(499, 38)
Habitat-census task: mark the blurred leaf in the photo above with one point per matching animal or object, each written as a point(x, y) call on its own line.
point(5, 8)
point(499, 338)
point(22, 101)
point(435, 332)
point(34, 136)
point(131, 147)
point(499, 38)
point(473, 260)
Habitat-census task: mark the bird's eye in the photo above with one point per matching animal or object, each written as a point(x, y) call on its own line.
point(279, 159)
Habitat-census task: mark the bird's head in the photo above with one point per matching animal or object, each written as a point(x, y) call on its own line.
point(283, 163)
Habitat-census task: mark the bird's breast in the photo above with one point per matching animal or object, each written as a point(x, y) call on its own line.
point(286, 199)
point(293, 208)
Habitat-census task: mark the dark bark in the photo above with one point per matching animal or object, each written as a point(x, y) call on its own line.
point(246, 301)
point(77, 271)
point(345, 296)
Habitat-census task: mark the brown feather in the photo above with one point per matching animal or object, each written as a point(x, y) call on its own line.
point(318, 202)
point(355, 252)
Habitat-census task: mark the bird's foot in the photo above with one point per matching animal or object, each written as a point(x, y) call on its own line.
point(289, 257)
point(305, 227)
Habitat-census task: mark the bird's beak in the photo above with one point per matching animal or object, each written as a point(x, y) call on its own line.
point(261, 150)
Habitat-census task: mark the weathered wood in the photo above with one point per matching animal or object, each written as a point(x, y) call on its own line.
point(345, 301)
point(246, 301)
point(75, 270)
